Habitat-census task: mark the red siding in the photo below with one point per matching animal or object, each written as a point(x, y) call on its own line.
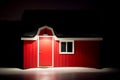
point(30, 54)
point(86, 55)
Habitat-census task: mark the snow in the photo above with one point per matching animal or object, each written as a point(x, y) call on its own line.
point(59, 73)
point(11, 71)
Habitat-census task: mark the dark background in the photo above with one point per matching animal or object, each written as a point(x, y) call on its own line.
point(66, 17)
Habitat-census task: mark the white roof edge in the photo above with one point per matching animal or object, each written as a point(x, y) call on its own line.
point(26, 38)
point(97, 38)
point(56, 38)
point(43, 28)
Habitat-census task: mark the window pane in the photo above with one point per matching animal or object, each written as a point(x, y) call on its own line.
point(63, 46)
point(69, 47)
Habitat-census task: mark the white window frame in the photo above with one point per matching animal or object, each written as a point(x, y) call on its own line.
point(66, 47)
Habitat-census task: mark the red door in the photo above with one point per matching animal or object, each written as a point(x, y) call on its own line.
point(45, 51)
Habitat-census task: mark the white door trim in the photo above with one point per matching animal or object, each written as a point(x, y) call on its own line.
point(52, 50)
point(38, 53)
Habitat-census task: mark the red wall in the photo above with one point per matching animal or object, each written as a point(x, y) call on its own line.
point(30, 56)
point(86, 55)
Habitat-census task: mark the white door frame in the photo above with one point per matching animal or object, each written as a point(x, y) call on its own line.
point(39, 48)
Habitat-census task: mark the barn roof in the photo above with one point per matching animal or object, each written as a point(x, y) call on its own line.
point(62, 34)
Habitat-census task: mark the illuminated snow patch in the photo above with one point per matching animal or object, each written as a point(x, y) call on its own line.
point(46, 71)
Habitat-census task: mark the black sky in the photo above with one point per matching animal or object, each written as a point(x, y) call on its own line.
point(55, 13)
point(13, 9)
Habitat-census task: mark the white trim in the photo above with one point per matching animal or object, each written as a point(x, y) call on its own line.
point(33, 38)
point(38, 53)
point(52, 51)
point(97, 39)
point(56, 38)
point(66, 47)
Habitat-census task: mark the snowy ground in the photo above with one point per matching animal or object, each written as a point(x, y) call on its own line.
point(65, 73)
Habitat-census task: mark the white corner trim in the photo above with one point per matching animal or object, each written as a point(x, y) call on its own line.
point(96, 39)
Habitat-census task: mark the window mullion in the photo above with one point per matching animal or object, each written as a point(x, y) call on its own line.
point(66, 47)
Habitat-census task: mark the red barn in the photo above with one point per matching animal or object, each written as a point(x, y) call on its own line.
point(46, 49)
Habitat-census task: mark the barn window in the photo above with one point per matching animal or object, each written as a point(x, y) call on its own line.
point(66, 47)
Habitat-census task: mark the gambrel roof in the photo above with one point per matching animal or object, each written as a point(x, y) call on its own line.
point(61, 34)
